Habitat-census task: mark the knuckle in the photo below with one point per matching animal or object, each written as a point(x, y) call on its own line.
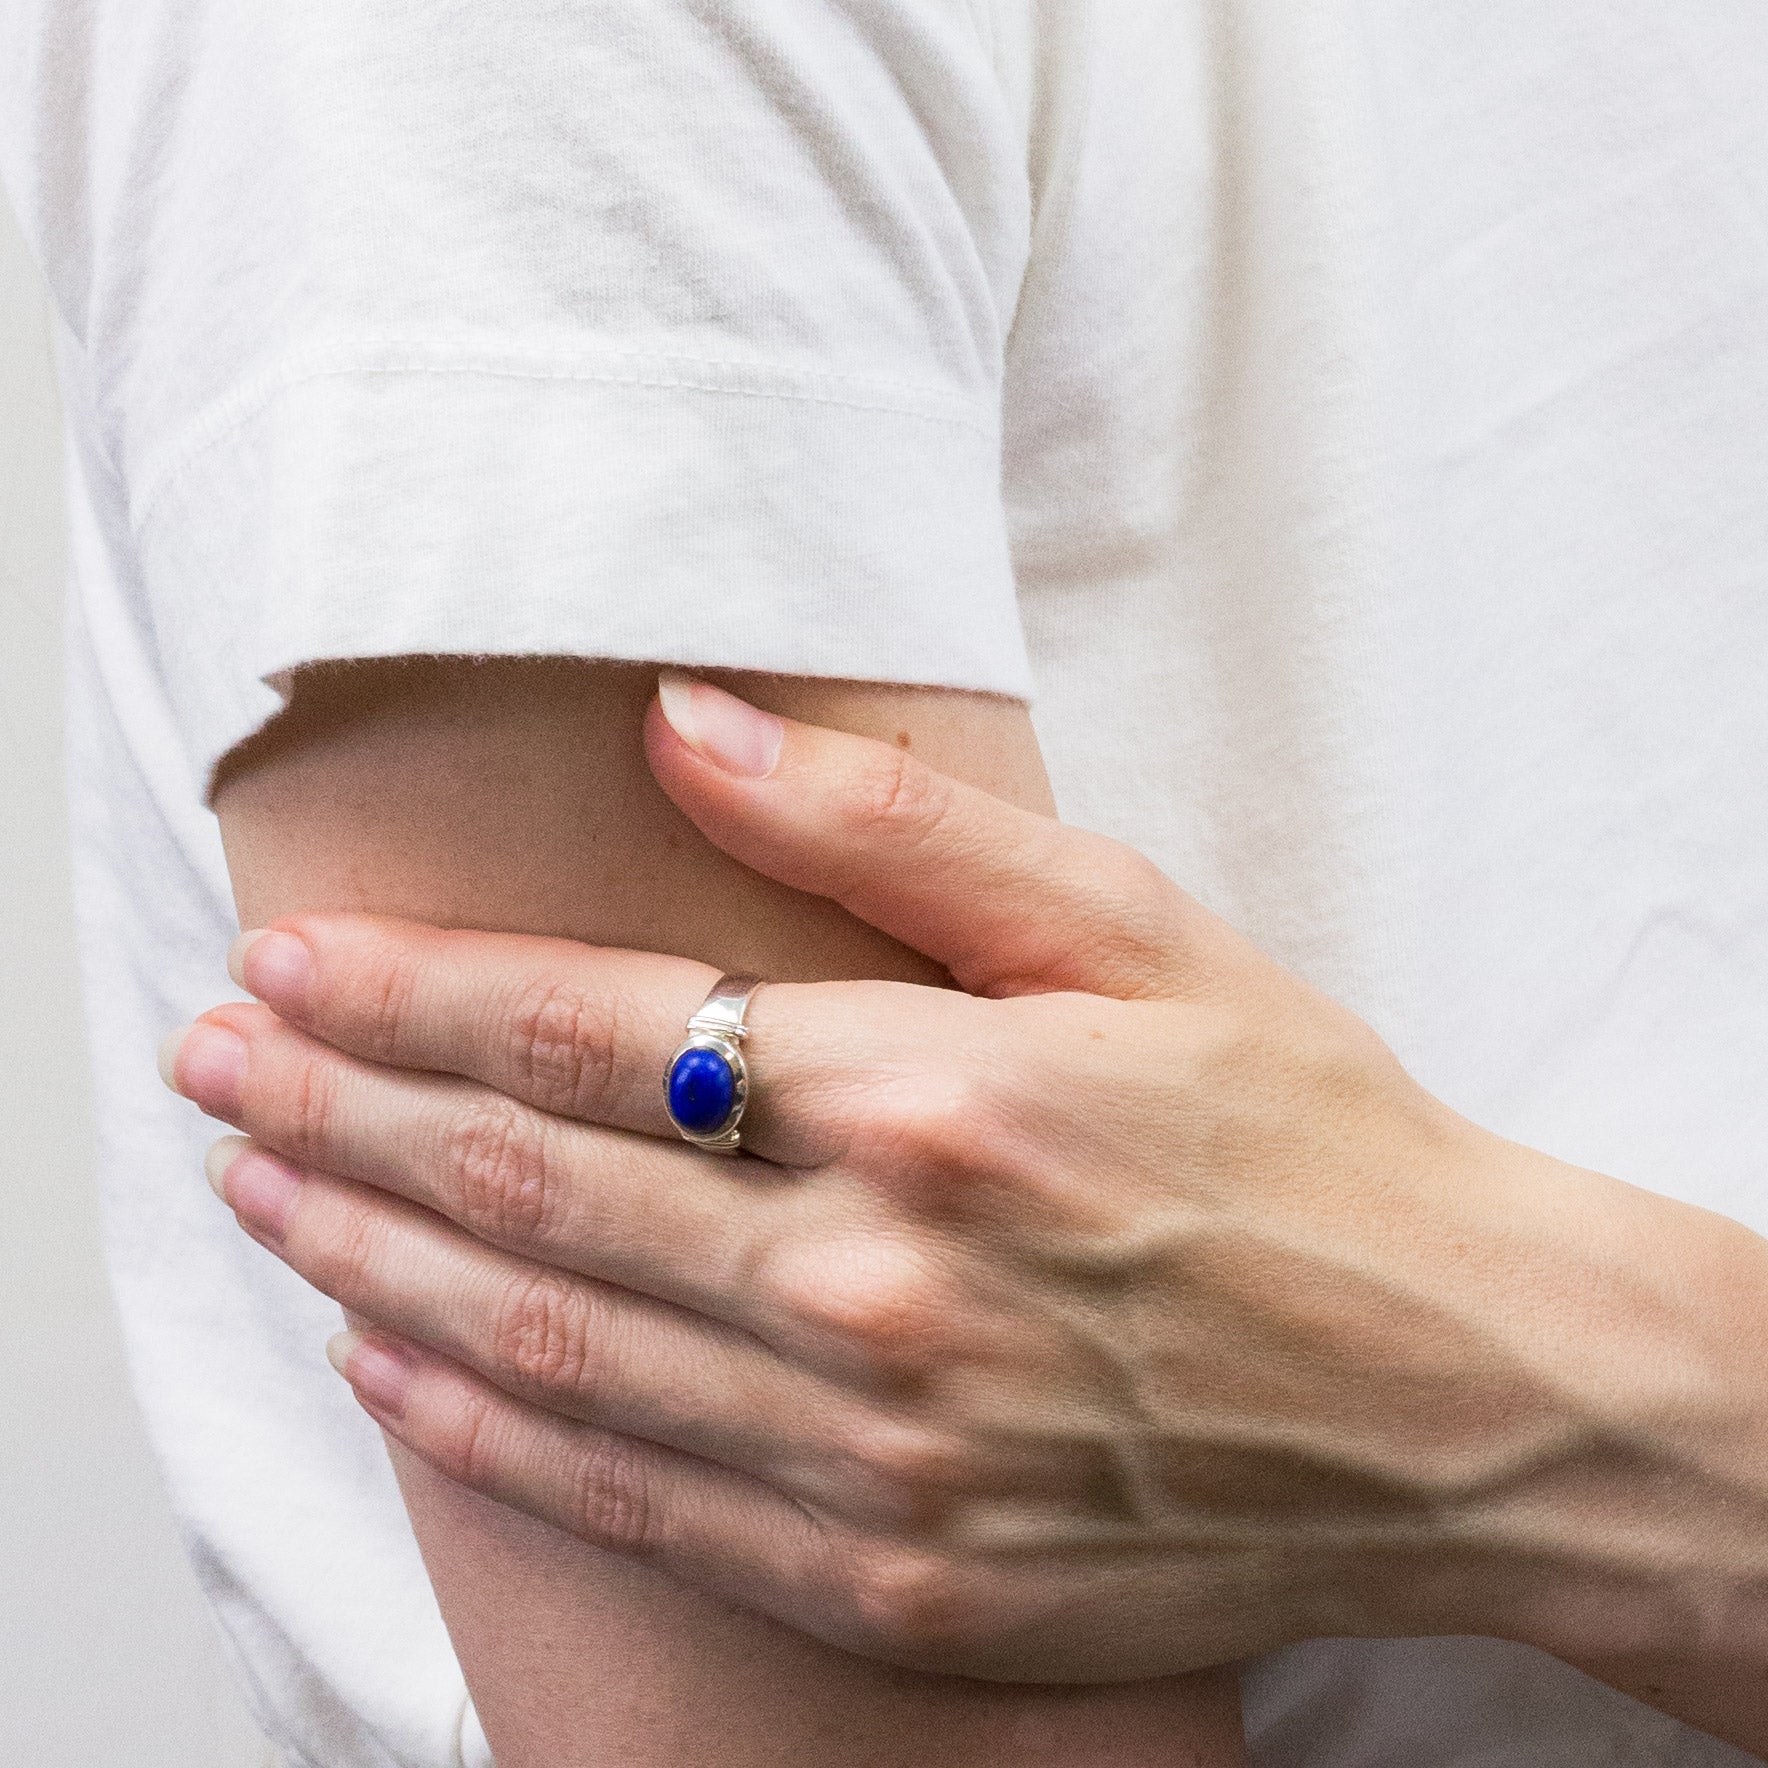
point(562, 1049)
point(497, 1160)
point(388, 1001)
point(919, 1140)
point(910, 1601)
point(895, 792)
point(874, 1301)
point(469, 1449)
point(912, 1469)
point(542, 1333)
point(611, 1497)
point(312, 1107)
point(1129, 918)
point(1123, 875)
point(345, 1259)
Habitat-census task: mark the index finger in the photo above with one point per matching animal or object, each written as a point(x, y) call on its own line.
point(577, 1030)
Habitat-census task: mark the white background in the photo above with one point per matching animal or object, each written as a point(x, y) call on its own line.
point(107, 1655)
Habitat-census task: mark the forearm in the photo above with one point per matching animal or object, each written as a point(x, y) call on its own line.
point(1638, 1549)
point(1704, 1656)
point(515, 797)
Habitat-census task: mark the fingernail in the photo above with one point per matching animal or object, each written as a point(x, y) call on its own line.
point(278, 969)
point(262, 1192)
point(205, 1063)
point(219, 1158)
point(379, 1372)
point(168, 1058)
point(730, 733)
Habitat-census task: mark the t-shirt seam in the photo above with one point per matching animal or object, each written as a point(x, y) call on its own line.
point(235, 409)
point(743, 364)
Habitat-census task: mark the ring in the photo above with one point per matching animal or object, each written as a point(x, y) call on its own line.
point(706, 1084)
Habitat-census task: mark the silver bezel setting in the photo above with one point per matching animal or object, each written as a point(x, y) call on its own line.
point(727, 1138)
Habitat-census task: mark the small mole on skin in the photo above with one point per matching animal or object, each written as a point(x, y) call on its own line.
point(1095, 1035)
point(902, 739)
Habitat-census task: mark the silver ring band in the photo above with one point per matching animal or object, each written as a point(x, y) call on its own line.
point(706, 1082)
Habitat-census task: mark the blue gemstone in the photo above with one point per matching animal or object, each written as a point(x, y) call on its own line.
point(702, 1090)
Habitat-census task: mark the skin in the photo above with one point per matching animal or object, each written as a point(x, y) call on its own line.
point(514, 796)
point(1130, 1311)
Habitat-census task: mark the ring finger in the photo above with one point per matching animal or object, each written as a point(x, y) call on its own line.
point(574, 1030)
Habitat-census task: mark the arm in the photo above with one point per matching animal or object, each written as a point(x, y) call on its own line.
point(1363, 1368)
point(515, 796)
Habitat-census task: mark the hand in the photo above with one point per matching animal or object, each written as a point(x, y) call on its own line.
point(1129, 1312)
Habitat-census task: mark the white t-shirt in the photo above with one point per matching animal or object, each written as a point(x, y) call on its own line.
point(1351, 419)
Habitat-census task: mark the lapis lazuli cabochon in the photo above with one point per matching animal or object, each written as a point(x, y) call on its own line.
point(702, 1090)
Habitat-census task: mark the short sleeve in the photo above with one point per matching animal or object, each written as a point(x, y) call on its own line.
point(667, 330)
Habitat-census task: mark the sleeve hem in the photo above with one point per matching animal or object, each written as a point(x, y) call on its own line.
point(634, 368)
point(649, 516)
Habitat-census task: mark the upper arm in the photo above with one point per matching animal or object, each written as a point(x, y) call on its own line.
point(514, 795)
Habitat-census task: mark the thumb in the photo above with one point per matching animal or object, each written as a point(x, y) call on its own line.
point(1008, 901)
